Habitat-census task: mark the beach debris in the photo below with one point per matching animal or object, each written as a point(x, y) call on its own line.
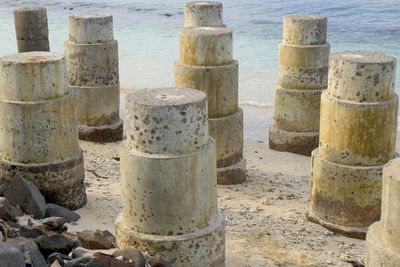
point(54, 210)
point(26, 195)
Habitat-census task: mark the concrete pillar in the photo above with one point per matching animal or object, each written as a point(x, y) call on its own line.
point(206, 64)
point(92, 65)
point(38, 134)
point(168, 179)
point(383, 237)
point(357, 137)
point(303, 72)
point(31, 29)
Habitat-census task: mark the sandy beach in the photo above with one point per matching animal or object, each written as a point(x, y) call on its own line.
point(265, 216)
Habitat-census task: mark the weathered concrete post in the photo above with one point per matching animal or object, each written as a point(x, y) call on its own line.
point(357, 137)
point(168, 179)
point(31, 29)
point(303, 73)
point(383, 238)
point(92, 65)
point(38, 134)
point(206, 64)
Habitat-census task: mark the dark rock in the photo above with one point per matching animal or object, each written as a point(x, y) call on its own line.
point(4, 183)
point(131, 254)
point(94, 240)
point(85, 262)
point(58, 257)
point(17, 211)
point(6, 210)
point(29, 232)
point(25, 194)
point(54, 210)
point(159, 261)
point(11, 256)
point(53, 224)
point(48, 244)
point(111, 261)
point(30, 250)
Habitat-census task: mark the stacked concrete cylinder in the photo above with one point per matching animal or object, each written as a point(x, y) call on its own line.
point(168, 179)
point(357, 137)
point(38, 131)
point(303, 74)
point(92, 64)
point(383, 238)
point(206, 64)
point(31, 29)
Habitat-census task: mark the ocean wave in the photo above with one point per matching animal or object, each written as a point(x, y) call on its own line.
point(255, 103)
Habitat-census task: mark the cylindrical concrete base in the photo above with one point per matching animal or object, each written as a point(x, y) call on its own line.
point(233, 174)
point(379, 252)
point(345, 198)
point(302, 143)
point(104, 133)
point(205, 247)
point(49, 178)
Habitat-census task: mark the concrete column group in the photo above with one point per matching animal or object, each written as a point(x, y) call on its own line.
point(357, 137)
point(38, 131)
point(168, 179)
point(383, 238)
point(92, 65)
point(206, 64)
point(31, 29)
point(303, 72)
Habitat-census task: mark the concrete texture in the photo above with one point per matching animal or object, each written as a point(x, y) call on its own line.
point(168, 178)
point(39, 134)
point(303, 74)
point(206, 63)
point(383, 247)
point(92, 65)
point(31, 29)
point(357, 137)
point(203, 14)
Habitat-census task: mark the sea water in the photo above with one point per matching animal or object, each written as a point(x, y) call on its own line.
point(147, 33)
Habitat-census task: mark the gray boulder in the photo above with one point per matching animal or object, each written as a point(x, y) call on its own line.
point(54, 210)
point(30, 251)
point(10, 256)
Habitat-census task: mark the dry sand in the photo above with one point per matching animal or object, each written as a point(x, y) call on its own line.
point(265, 218)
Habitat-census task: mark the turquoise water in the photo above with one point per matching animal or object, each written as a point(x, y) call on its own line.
point(147, 32)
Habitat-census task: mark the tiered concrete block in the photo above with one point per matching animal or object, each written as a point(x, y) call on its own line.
point(168, 179)
point(38, 131)
point(206, 64)
point(303, 72)
point(31, 29)
point(383, 237)
point(92, 64)
point(357, 137)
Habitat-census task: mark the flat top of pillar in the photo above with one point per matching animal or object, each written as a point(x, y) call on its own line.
point(31, 57)
point(29, 8)
point(203, 3)
point(393, 169)
point(362, 57)
point(88, 16)
point(167, 96)
point(207, 30)
point(304, 17)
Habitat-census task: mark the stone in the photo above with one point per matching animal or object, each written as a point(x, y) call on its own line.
point(4, 183)
point(94, 78)
point(55, 224)
point(85, 262)
point(382, 242)
point(94, 240)
point(54, 210)
point(17, 211)
point(79, 252)
point(360, 108)
point(131, 254)
point(302, 76)
point(29, 232)
point(109, 260)
point(25, 194)
point(37, 119)
point(206, 63)
point(6, 210)
point(159, 261)
point(31, 29)
point(58, 257)
point(168, 160)
point(30, 250)
point(11, 256)
point(48, 244)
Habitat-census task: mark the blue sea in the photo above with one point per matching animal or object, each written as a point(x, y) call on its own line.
point(147, 32)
